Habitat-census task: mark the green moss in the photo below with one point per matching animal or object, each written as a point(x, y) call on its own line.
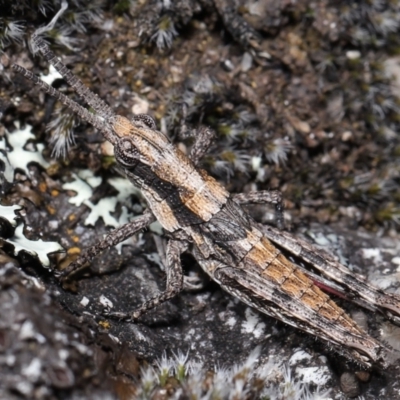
point(374, 190)
point(224, 130)
point(346, 182)
point(229, 156)
point(390, 213)
point(165, 23)
point(121, 7)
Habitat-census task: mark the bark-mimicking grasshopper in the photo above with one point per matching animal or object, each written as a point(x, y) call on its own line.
point(245, 258)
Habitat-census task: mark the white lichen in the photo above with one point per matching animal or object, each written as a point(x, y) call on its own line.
point(8, 213)
point(19, 157)
point(37, 248)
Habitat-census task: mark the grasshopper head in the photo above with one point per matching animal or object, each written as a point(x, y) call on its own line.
point(138, 143)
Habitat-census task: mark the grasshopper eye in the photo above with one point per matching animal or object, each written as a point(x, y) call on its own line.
point(144, 121)
point(126, 153)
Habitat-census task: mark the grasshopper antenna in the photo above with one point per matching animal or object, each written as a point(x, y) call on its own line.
point(90, 98)
point(102, 109)
point(82, 112)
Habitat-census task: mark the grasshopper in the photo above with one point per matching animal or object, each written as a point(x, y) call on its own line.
point(245, 258)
